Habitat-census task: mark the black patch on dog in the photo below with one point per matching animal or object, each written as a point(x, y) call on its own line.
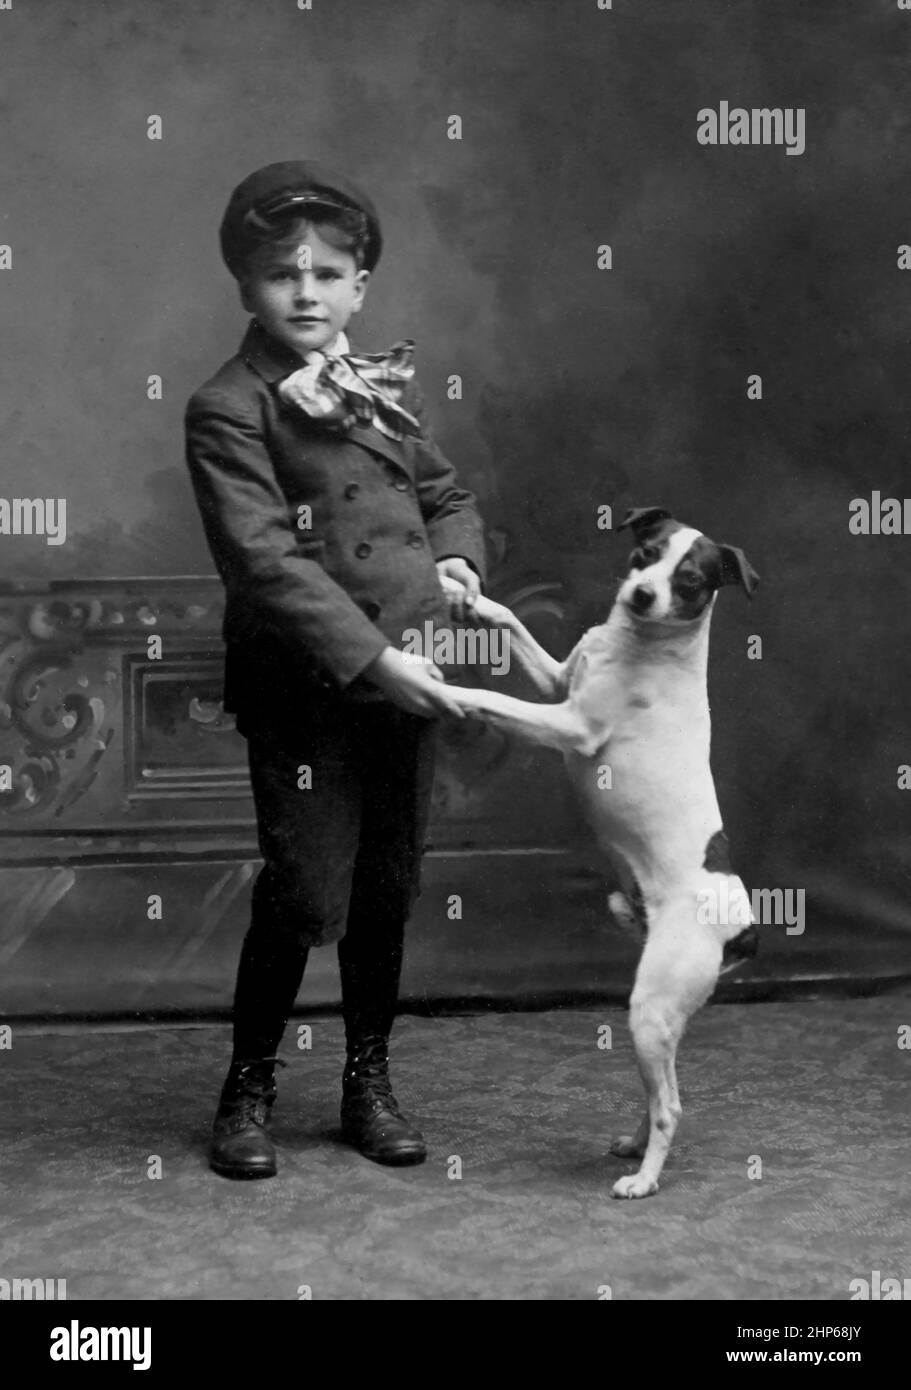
point(741, 947)
point(651, 546)
point(652, 528)
point(648, 552)
point(736, 569)
point(696, 578)
point(644, 520)
point(637, 903)
point(705, 567)
point(717, 860)
point(718, 854)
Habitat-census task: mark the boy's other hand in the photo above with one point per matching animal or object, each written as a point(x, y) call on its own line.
point(412, 683)
point(455, 568)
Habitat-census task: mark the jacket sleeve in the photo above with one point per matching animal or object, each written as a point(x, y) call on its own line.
point(256, 547)
point(450, 512)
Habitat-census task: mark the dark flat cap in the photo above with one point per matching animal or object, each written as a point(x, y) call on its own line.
point(280, 188)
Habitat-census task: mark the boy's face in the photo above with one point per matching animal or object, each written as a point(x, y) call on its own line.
point(303, 308)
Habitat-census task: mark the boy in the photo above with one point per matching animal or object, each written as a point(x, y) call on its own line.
point(333, 520)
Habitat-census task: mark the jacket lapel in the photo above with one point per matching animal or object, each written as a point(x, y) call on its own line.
point(370, 438)
point(272, 362)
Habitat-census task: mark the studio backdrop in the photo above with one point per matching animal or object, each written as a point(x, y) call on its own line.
point(616, 302)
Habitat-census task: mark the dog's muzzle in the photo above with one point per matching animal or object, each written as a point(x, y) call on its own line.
point(642, 598)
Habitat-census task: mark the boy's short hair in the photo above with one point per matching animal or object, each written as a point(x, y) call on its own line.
point(343, 228)
point(268, 205)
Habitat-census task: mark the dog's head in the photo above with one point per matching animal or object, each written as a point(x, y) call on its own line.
point(675, 572)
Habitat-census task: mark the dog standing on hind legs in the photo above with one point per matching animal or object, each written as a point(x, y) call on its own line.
point(632, 695)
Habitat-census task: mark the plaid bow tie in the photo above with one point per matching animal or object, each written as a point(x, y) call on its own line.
point(344, 389)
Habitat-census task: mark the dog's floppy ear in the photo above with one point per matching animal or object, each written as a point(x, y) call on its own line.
point(736, 569)
point(643, 520)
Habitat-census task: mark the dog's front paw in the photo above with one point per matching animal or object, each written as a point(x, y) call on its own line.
point(627, 1146)
point(633, 1185)
point(463, 698)
point(451, 587)
point(486, 613)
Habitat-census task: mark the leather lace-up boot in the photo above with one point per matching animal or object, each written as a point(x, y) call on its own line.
point(371, 1118)
point(241, 1147)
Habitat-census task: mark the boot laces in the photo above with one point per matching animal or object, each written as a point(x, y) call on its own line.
point(369, 1075)
point(252, 1090)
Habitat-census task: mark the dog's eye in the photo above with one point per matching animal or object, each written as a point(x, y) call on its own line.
point(687, 584)
point(650, 554)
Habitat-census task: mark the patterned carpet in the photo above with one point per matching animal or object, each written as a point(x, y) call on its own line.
point(819, 1091)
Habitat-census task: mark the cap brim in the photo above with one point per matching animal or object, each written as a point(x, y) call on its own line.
point(288, 202)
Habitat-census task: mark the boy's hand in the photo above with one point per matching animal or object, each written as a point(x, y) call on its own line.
point(455, 568)
point(413, 684)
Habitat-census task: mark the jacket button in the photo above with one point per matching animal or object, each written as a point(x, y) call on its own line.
point(363, 549)
point(416, 540)
point(352, 490)
point(371, 609)
point(401, 485)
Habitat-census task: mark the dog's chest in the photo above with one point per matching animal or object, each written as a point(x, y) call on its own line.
point(659, 712)
point(660, 699)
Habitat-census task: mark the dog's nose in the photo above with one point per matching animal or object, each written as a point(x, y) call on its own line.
point(643, 597)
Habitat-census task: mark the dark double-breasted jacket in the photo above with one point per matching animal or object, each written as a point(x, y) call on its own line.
point(325, 542)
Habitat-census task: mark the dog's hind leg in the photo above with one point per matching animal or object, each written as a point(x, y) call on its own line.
point(655, 1036)
point(667, 992)
point(633, 924)
point(633, 1145)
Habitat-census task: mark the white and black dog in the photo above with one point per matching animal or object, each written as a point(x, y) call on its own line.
point(631, 716)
